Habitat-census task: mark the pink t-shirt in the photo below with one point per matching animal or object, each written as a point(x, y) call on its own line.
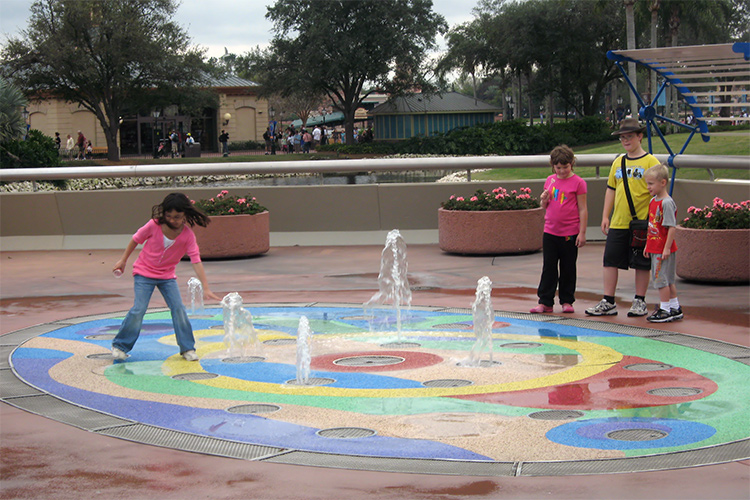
point(561, 218)
point(155, 260)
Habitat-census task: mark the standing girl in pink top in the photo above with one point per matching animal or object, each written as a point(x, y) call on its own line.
point(566, 218)
point(166, 238)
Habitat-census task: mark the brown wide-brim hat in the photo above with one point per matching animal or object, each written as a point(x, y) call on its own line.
point(629, 125)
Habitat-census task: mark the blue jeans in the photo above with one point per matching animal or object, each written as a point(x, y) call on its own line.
point(131, 325)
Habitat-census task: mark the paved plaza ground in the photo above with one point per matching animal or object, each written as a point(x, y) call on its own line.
point(44, 458)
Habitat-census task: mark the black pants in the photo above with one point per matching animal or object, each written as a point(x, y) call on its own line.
point(560, 250)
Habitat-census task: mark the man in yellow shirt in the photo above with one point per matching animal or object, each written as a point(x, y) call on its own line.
point(616, 218)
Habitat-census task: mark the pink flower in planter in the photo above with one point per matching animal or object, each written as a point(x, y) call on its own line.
point(718, 202)
point(474, 198)
point(241, 200)
point(691, 209)
point(231, 210)
point(460, 198)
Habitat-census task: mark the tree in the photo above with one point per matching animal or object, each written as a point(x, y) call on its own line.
point(349, 49)
point(12, 124)
point(108, 56)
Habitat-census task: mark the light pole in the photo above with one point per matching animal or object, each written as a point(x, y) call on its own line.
point(27, 125)
point(155, 113)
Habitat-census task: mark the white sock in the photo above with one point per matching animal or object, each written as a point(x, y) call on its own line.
point(665, 306)
point(674, 303)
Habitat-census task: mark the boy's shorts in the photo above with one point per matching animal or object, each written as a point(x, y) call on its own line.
point(663, 272)
point(618, 252)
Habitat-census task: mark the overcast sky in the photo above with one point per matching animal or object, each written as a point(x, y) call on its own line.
point(238, 25)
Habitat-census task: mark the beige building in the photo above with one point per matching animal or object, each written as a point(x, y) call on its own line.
point(241, 112)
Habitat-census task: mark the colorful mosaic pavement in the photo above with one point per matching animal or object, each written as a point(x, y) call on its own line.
point(552, 390)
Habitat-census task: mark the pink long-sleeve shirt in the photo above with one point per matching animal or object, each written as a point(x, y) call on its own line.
point(155, 261)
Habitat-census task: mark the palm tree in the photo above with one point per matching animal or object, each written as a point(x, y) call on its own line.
point(12, 123)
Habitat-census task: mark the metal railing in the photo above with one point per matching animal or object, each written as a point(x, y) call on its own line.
point(467, 163)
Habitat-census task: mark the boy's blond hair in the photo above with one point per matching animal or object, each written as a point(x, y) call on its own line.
point(562, 155)
point(658, 172)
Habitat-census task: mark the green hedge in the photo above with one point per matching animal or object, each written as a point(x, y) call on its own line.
point(37, 151)
point(513, 137)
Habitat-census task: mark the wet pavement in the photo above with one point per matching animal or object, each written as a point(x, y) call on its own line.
point(47, 459)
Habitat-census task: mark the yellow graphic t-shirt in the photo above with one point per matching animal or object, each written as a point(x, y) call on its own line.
point(635, 169)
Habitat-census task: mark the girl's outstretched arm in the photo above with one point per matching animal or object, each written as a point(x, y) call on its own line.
point(120, 264)
point(201, 273)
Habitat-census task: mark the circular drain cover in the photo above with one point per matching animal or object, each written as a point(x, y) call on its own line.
point(675, 391)
point(312, 381)
point(243, 359)
point(101, 336)
point(254, 409)
point(556, 414)
point(486, 363)
point(521, 345)
point(100, 355)
point(401, 345)
point(194, 376)
point(369, 360)
point(346, 432)
point(636, 434)
point(648, 367)
point(280, 341)
point(447, 382)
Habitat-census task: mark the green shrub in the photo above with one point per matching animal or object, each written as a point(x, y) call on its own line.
point(36, 151)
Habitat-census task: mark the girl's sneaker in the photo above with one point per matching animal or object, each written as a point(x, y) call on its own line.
point(567, 308)
point(541, 308)
point(190, 356)
point(676, 313)
point(118, 354)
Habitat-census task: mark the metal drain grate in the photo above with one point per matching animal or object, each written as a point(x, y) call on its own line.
point(255, 408)
point(486, 363)
point(369, 360)
point(447, 382)
point(312, 381)
point(101, 336)
point(346, 432)
point(401, 345)
point(195, 376)
point(675, 391)
point(216, 327)
point(445, 326)
point(648, 367)
point(243, 359)
point(636, 434)
point(521, 345)
point(556, 414)
point(280, 341)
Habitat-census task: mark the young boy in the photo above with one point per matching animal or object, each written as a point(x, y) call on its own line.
point(616, 217)
point(662, 218)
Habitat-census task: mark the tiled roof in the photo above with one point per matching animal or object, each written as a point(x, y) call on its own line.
point(447, 102)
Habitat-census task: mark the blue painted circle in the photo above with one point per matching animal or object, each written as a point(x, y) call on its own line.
point(593, 433)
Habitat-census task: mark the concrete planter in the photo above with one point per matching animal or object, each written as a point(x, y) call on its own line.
point(713, 255)
point(230, 236)
point(490, 233)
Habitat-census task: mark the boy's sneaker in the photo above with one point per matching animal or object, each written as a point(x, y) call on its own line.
point(660, 316)
point(190, 356)
point(676, 313)
point(639, 308)
point(118, 354)
point(603, 308)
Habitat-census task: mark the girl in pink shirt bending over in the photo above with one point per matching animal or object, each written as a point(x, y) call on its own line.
point(565, 221)
point(166, 238)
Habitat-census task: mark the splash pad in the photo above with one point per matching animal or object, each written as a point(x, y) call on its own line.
point(562, 396)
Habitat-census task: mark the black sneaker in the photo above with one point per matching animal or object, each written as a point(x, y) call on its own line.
point(676, 313)
point(660, 316)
